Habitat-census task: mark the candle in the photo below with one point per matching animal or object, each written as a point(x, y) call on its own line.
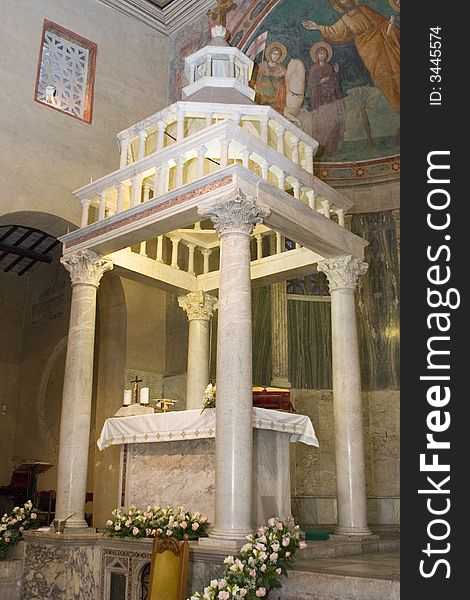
point(127, 397)
point(144, 395)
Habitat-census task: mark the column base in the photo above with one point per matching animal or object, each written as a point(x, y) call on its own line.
point(352, 532)
point(225, 539)
point(232, 545)
point(281, 382)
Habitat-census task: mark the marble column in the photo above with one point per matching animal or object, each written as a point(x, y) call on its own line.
point(199, 308)
point(234, 219)
point(279, 336)
point(86, 269)
point(342, 273)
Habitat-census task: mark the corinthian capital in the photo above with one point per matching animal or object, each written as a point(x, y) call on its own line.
point(343, 271)
point(237, 213)
point(198, 305)
point(86, 267)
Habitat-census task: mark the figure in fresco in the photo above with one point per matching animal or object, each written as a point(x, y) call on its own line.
point(295, 90)
point(326, 100)
point(377, 41)
point(270, 84)
point(323, 83)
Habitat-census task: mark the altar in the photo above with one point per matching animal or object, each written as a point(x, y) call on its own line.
point(169, 458)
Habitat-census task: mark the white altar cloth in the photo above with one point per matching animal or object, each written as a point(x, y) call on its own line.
point(192, 424)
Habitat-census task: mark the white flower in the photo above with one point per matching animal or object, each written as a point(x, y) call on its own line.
point(302, 545)
point(228, 560)
point(109, 523)
point(117, 527)
point(279, 571)
point(223, 595)
point(183, 524)
point(280, 525)
point(285, 542)
point(33, 516)
point(222, 583)
point(272, 522)
point(273, 557)
point(275, 546)
point(169, 532)
point(195, 526)
point(242, 593)
point(7, 539)
point(252, 573)
point(135, 530)
point(260, 592)
point(214, 584)
point(263, 568)
point(287, 554)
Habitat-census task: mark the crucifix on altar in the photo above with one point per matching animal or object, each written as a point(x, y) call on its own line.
point(219, 14)
point(135, 384)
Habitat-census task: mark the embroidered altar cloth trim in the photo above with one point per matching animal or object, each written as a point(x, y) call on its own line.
point(191, 425)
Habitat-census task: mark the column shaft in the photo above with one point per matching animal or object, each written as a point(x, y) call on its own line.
point(279, 336)
point(347, 397)
point(234, 219)
point(86, 270)
point(233, 480)
point(199, 307)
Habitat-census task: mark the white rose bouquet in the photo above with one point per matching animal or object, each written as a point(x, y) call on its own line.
point(13, 524)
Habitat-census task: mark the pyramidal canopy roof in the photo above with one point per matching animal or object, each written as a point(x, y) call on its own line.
point(218, 72)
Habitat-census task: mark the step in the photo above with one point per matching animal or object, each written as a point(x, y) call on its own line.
point(335, 547)
point(323, 586)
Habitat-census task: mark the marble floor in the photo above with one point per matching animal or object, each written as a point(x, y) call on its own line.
point(375, 565)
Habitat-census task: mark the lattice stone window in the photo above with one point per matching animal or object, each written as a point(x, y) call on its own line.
point(66, 72)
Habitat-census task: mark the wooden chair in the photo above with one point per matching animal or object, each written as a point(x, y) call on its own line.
point(169, 569)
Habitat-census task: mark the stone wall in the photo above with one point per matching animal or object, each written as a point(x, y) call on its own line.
point(45, 154)
point(13, 291)
point(314, 469)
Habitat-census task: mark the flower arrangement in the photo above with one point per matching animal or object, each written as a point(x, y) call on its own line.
point(208, 397)
point(13, 524)
point(156, 520)
point(262, 561)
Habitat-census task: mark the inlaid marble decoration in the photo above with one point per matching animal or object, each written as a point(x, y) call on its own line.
point(60, 572)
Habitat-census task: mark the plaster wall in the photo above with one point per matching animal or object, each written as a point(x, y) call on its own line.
point(13, 292)
point(41, 369)
point(46, 154)
point(132, 323)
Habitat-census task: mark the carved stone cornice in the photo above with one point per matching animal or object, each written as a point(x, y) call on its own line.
point(86, 267)
point(198, 305)
point(343, 271)
point(237, 213)
point(166, 18)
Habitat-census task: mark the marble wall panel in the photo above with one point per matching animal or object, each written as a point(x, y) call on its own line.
point(183, 473)
point(175, 388)
point(176, 473)
point(60, 572)
point(314, 469)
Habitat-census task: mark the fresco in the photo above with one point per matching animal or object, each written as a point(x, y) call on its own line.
point(330, 66)
point(340, 66)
